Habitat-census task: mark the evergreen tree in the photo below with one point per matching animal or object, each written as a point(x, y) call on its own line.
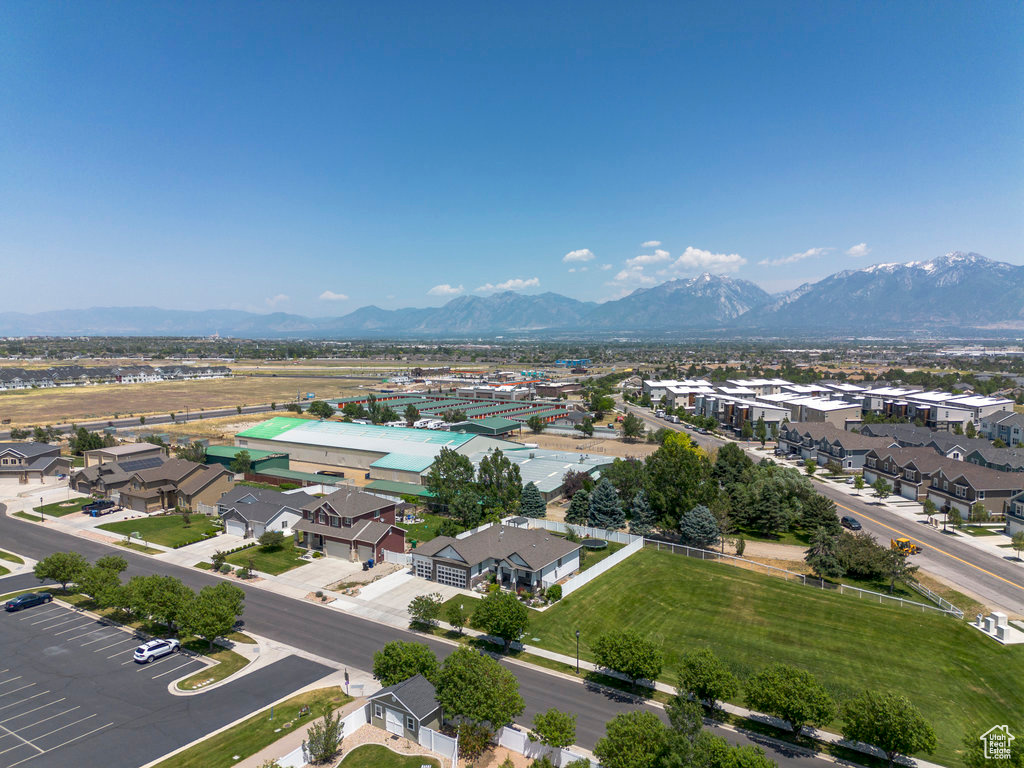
point(820, 512)
point(641, 516)
point(605, 508)
point(579, 508)
point(823, 554)
point(531, 504)
point(699, 527)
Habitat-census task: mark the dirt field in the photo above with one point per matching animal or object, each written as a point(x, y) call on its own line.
point(219, 431)
point(591, 445)
point(63, 404)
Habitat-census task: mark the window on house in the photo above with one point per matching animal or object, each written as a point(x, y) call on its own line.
point(410, 723)
point(908, 473)
point(871, 463)
point(335, 522)
point(378, 710)
point(348, 522)
point(323, 518)
point(961, 491)
point(981, 495)
point(945, 485)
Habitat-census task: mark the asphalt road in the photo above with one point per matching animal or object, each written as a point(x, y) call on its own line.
point(179, 418)
point(997, 581)
point(352, 641)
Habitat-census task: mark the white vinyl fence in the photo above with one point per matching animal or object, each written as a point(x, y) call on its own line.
point(517, 741)
point(443, 745)
point(585, 577)
point(206, 509)
point(584, 531)
point(352, 722)
point(401, 558)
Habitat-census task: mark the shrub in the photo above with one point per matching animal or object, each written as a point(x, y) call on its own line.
point(224, 568)
point(554, 593)
point(741, 545)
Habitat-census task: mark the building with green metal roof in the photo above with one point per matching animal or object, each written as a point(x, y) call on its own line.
point(496, 426)
point(260, 460)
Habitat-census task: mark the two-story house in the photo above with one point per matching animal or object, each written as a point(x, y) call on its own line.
point(960, 487)
point(1008, 427)
point(175, 483)
point(250, 512)
point(32, 461)
point(907, 471)
point(350, 524)
point(1015, 514)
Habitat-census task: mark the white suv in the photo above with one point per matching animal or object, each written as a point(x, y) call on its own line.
point(155, 649)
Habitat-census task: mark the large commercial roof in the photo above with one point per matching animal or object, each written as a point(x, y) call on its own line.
point(230, 451)
point(545, 469)
point(364, 437)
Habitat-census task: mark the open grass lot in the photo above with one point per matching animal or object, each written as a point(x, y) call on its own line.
point(379, 756)
point(64, 404)
point(61, 508)
point(166, 530)
point(424, 531)
point(272, 561)
point(961, 680)
point(250, 736)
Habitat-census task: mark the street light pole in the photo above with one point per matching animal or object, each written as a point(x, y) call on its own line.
point(41, 520)
point(577, 651)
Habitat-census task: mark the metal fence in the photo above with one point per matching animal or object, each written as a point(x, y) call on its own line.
point(941, 601)
point(944, 606)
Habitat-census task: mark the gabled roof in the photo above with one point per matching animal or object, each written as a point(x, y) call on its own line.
point(27, 450)
point(172, 470)
point(416, 694)
point(536, 547)
point(365, 531)
point(349, 502)
point(201, 479)
point(982, 478)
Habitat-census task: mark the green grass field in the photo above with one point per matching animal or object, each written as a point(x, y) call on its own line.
point(424, 531)
point(960, 679)
point(378, 756)
point(166, 530)
point(273, 561)
point(61, 508)
point(11, 558)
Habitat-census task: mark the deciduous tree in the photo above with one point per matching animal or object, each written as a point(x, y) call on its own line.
point(425, 609)
point(632, 427)
point(499, 483)
point(242, 462)
point(626, 651)
point(62, 567)
point(792, 695)
point(212, 613)
point(888, 721)
point(474, 688)
point(706, 677)
point(554, 728)
point(320, 408)
point(536, 424)
point(501, 614)
point(398, 661)
point(633, 740)
point(451, 474)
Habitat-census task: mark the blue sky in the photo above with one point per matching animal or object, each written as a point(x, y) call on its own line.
point(317, 157)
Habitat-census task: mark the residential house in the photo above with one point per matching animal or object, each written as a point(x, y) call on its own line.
point(525, 558)
point(175, 483)
point(1003, 459)
point(402, 709)
point(32, 461)
point(1015, 514)
point(250, 512)
point(907, 471)
point(125, 452)
point(106, 480)
point(961, 486)
point(352, 525)
point(1008, 427)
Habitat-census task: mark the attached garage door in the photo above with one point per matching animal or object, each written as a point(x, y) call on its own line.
point(337, 549)
point(394, 721)
point(908, 491)
point(424, 568)
point(234, 527)
point(138, 504)
point(453, 577)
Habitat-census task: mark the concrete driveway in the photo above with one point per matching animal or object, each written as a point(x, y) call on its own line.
point(323, 571)
point(396, 591)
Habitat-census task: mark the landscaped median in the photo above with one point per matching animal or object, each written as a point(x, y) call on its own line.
point(248, 737)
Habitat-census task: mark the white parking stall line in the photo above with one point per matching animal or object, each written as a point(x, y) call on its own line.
point(9, 732)
point(62, 744)
point(50, 733)
point(22, 701)
point(8, 693)
point(45, 719)
point(35, 709)
point(175, 669)
point(130, 661)
point(96, 639)
point(131, 640)
point(151, 664)
point(4, 670)
point(10, 680)
point(73, 629)
point(45, 612)
point(55, 621)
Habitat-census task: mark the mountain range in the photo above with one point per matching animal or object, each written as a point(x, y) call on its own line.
point(957, 293)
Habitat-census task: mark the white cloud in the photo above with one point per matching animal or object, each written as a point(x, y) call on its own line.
point(577, 269)
point(281, 298)
point(859, 250)
point(515, 284)
point(651, 244)
point(445, 290)
point(696, 260)
point(649, 258)
point(583, 254)
point(632, 276)
point(606, 266)
point(332, 296)
point(810, 253)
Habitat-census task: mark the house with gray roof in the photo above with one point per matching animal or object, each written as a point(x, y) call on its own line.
point(250, 512)
point(1003, 459)
point(32, 461)
point(1015, 514)
point(1008, 427)
point(350, 524)
point(520, 558)
point(404, 708)
point(959, 487)
point(907, 471)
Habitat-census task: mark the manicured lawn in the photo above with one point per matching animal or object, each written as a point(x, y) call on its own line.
point(139, 547)
point(228, 662)
point(61, 508)
point(28, 516)
point(959, 679)
point(249, 737)
point(379, 756)
point(11, 558)
point(166, 530)
point(3, 571)
point(424, 531)
point(595, 556)
point(796, 538)
point(272, 561)
point(973, 531)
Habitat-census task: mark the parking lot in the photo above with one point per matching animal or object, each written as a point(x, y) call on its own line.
point(71, 694)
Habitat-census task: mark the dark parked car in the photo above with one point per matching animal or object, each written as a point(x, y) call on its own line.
point(27, 600)
point(850, 522)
